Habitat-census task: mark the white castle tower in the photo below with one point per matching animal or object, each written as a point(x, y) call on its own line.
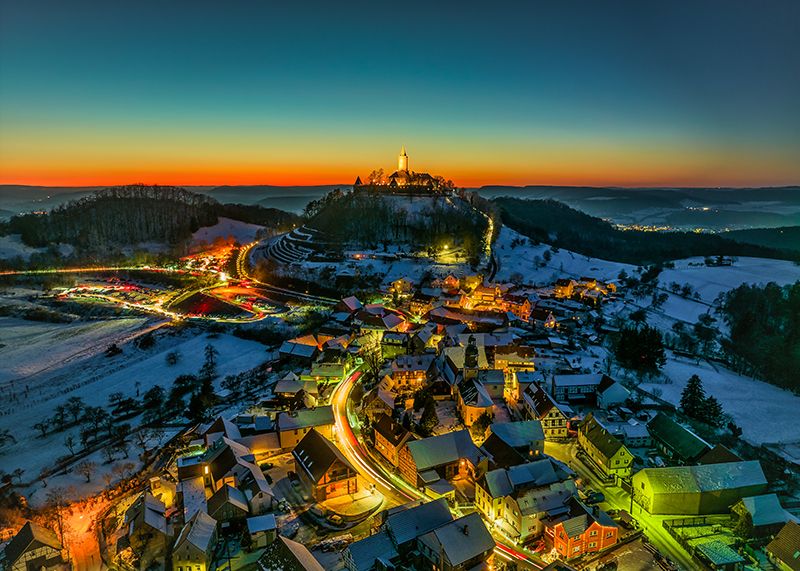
point(402, 160)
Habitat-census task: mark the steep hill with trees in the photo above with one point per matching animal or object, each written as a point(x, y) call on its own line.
point(422, 222)
point(127, 215)
point(557, 224)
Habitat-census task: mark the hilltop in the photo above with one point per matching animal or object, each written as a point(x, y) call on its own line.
point(128, 215)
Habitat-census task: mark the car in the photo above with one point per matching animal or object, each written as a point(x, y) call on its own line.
point(266, 466)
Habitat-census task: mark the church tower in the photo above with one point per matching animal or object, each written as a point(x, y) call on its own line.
point(402, 160)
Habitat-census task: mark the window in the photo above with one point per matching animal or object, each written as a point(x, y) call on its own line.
point(593, 532)
point(609, 534)
point(576, 549)
point(593, 544)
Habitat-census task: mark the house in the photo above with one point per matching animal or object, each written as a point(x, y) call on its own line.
point(228, 504)
point(301, 349)
point(511, 443)
point(421, 303)
point(473, 401)
point(544, 317)
point(294, 425)
point(719, 454)
point(564, 288)
point(294, 393)
point(146, 525)
point(539, 405)
point(697, 490)
point(519, 381)
point(606, 451)
point(513, 358)
point(194, 547)
point(519, 305)
point(262, 529)
point(611, 393)
point(348, 305)
point(34, 548)
point(521, 499)
point(288, 555)
point(395, 343)
point(363, 555)
point(378, 402)
point(784, 549)
point(632, 433)
point(322, 468)
point(390, 437)
point(463, 543)
point(588, 530)
point(678, 444)
point(494, 381)
point(411, 372)
point(579, 388)
point(447, 456)
point(422, 536)
point(408, 522)
point(766, 513)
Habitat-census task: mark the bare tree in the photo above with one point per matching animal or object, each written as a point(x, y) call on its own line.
point(86, 469)
point(42, 426)
point(69, 442)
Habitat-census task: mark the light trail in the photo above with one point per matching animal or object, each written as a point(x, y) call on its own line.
point(353, 451)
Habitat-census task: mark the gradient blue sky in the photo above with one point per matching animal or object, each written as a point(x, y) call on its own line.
point(619, 93)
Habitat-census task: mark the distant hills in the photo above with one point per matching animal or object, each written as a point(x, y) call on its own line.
point(716, 209)
point(555, 223)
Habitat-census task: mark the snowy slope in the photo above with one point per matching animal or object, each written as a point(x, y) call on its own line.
point(225, 228)
point(766, 413)
point(523, 259)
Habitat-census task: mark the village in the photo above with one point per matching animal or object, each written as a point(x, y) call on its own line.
point(456, 424)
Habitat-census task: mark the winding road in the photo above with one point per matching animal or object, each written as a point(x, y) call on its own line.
point(395, 489)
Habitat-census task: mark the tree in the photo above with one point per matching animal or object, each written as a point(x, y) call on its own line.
point(705, 331)
point(69, 442)
point(86, 469)
point(123, 447)
point(639, 316)
point(712, 412)
point(481, 424)
point(114, 399)
point(693, 398)
point(74, 407)
point(429, 419)
point(42, 426)
point(640, 349)
point(744, 526)
point(6, 436)
point(153, 398)
point(209, 368)
point(172, 358)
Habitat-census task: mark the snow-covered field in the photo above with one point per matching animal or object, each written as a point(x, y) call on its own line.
point(766, 413)
point(709, 282)
point(226, 228)
point(45, 364)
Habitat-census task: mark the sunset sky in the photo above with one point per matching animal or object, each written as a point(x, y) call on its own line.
point(239, 92)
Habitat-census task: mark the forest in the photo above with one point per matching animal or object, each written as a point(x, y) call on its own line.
point(128, 215)
point(557, 224)
point(764, 332)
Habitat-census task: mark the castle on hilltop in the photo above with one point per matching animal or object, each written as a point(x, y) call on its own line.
point(403, 180)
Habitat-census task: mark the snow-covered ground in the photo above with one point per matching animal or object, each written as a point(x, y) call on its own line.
point(766, 413)
point(226, 228)
point(44, 364)
point(709, 282)
point(12, 246)
point(528, 261)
